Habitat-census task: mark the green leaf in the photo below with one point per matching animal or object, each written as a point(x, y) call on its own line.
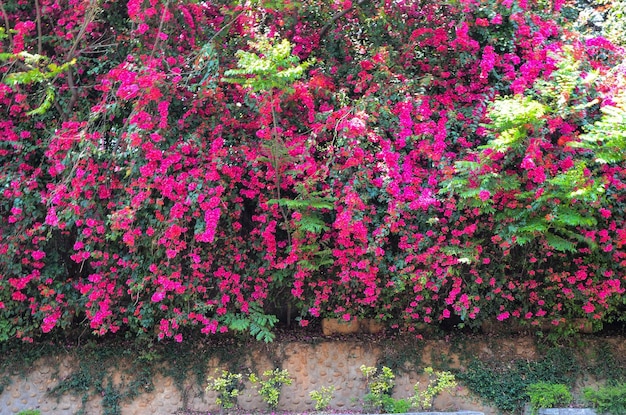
point(312, 223)
point(238, 322)
point(580, 238)
point(534, 226)
point(46, 104)
point(24, 78)
point(573, 218)
point(508, 114)
point(523, 239)
point(607, 137)
point(301, 204)
point(261, 333)
point(559, 243)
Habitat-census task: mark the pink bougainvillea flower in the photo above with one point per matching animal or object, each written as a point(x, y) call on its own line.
point(173, 186)
point(158, 296)
point(606, 213)
point(503, 316)
point(38, 255)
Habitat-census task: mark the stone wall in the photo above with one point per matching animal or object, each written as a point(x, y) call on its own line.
point(328, 362)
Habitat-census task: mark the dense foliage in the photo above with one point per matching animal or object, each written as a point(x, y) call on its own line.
point(170, 164)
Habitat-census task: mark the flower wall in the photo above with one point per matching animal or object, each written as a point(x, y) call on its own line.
point(175, 165)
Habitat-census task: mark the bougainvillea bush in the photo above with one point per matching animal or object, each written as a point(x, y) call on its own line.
point(174, 166)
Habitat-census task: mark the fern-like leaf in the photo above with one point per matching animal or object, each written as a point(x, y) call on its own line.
point(559, 243)
point(312, 223)
point(607, 137)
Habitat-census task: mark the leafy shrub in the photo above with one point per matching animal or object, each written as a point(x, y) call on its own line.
point(395, 406)
point(271, 385)
point(322, 397)
point(607, 399)
point(379, 386)
point(548, 395)
point(439, 381)
point(228, 387)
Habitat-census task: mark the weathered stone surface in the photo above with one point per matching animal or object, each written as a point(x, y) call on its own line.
point(332, 326)
point(312, 366)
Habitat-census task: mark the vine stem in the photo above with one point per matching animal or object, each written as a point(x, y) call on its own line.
point(6, 23)
point(38, 21)
point(338, 16)
point(276, 163)
point(159, 30)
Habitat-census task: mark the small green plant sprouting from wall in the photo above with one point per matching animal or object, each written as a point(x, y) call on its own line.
point(548, 395)
point(379, 386)
point(395, 406)
point(438, 382)
point(607, 399)
point(322, 397)
point(29, 412)
point(228, 387)
point(271, 385)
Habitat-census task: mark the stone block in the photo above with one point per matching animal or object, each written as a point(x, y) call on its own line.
point(371, 326)
point(332, 326)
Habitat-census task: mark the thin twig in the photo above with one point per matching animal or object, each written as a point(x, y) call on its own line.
point(277, 178)
point(72, 53)
point(161, 22)
point(62, 113)
point(73, 90)
point(38, 21)
point(6, 24)
point(89, 18)
point(338, 16)
point(225, 26)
